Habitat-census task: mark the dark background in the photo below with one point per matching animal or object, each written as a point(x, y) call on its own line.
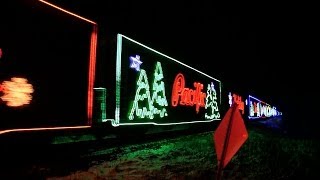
point(169, 69)
point(262, 49)
point(51, 51)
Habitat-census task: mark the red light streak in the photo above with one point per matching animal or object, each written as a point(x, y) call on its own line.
point(42, 129)
point(92, 57)
point(92, 62)
point(92, 70)
point(68, 12)
point(185, 96)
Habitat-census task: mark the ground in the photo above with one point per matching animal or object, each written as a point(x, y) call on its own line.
point(175, 156)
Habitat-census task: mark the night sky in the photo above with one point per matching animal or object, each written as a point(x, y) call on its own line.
point(245, 46)
point(258, 49)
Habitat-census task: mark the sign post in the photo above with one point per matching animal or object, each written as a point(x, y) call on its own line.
point(229, 137)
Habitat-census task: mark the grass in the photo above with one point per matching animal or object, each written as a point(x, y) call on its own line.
point(265, 155)
point(275, 156)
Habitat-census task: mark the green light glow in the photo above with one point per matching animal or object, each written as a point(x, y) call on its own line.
point(150, 101)
point(159, 99)
point(100, 104)
point(211, 102)
point(169, 57)
point(143, 105)
point(118, 80)
point(168, 124)
point(220, 86)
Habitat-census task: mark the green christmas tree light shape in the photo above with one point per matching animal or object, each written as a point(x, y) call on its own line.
point(251, 109)
point(211, 102)
point(142, 105)
point(159, 99)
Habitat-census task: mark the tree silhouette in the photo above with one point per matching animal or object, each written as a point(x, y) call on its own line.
point(159, 100)
point(211, 102)
point(142, 105)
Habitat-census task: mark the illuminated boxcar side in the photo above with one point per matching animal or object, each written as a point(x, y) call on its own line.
point(155, 89)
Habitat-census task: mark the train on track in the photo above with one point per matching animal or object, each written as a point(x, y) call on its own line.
point(49, 66)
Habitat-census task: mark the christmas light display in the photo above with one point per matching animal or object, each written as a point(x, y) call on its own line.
point(16, 92)
point(211, 103)
point(186, 96)
point(1, 53)
point(46, 74)
point(146, 80)
point(260, 109)
point(235, 98)
point(153, 105)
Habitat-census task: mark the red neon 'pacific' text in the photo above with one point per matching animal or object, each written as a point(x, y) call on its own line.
point(187, 96)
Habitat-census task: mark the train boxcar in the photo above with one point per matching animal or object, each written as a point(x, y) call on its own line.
point(47, 67)
point(256, 111)
point(48, 79)
point(155, 89)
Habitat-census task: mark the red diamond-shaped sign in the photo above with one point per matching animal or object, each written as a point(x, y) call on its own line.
point(229, 136)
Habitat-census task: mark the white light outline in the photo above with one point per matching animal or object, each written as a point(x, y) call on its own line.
point(116, 121)
point(272, 107)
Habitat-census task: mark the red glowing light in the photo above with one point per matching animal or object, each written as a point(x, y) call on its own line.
point(238, 100)
point(91, 75)
point(92, 70)
point(187, 96)
point(68, 12)
point(42, 129)
point(92, 57)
